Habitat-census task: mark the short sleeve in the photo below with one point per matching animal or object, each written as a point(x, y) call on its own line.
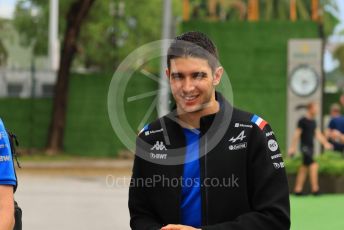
point(332, 124)
point(7, 173)
point(300, 123)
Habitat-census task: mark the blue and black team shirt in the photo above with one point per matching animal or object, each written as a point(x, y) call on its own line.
point(191, 189)
point(191, 208)
point(7, 175)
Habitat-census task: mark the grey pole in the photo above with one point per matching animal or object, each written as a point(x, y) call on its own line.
point(163, 100)
point(53, 35)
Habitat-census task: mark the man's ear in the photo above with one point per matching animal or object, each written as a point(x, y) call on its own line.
point(167, 73)
point(217, 75)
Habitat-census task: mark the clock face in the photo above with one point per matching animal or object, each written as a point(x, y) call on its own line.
point(304, 81)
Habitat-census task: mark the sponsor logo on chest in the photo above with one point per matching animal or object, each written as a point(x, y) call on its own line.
point(148, 132)
point(158, 146)
point(239, 138)
point(240, 125)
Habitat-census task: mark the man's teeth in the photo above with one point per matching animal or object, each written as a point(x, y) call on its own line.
point(190, 97)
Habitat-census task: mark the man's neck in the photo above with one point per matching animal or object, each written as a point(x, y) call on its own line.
point(192, 120)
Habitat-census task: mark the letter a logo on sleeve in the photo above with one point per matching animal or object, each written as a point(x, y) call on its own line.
point(259, 121)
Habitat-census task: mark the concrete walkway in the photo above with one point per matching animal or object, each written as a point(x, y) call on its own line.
point(84, 195)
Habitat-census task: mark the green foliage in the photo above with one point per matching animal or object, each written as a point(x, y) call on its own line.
point(329, 18)
point(3, 54)
point(339, 55)
point(108, 35)
point(330, 163)
point(88, 130)
point(3, 51)
point(330, 22)
point(31, 20)
point(28, 119)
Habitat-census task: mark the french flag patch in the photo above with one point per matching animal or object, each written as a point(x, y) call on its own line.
point(259, 121)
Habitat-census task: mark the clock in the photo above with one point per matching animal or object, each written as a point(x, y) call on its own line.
point(303, 81)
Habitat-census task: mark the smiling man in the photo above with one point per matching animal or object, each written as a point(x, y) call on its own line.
point(206, 165)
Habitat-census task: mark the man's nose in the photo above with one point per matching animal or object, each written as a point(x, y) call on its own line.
point(188, 84)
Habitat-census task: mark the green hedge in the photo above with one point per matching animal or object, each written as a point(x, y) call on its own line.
point(330, 163)
point(28, 118)
point(88, 130)
point(255, 57)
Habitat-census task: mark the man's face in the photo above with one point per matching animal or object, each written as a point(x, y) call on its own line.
point(192, 83)
point(314, 109)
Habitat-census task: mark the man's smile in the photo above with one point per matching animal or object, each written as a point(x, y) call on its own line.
point(190, 99)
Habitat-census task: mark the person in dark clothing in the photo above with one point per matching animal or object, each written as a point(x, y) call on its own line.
point(306, 131)
point(335, 130)
point(337, 134)
point(206, 165)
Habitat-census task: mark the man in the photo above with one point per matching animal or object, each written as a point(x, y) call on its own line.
point(335, 131)
point(216, 143)
point(306, 131)
point(335, 110)
point(7, 181)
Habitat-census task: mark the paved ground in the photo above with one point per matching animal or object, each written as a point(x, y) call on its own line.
point(71, 196)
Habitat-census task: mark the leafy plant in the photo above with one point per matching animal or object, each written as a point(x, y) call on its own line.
point(330, 163)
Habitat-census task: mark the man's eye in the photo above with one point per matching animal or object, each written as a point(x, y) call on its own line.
point(200, 75)
point(176, 77)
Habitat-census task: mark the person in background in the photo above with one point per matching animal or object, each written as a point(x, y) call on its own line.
point(306, 131)
point(8, 181)
point(341, 100)
point(335, 110)
point(335, 130)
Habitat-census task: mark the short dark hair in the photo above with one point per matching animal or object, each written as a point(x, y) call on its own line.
point(193, 44)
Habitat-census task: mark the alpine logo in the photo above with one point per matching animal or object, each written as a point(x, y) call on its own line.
point(159, 145)
point(158, 156)
point(240, 137)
